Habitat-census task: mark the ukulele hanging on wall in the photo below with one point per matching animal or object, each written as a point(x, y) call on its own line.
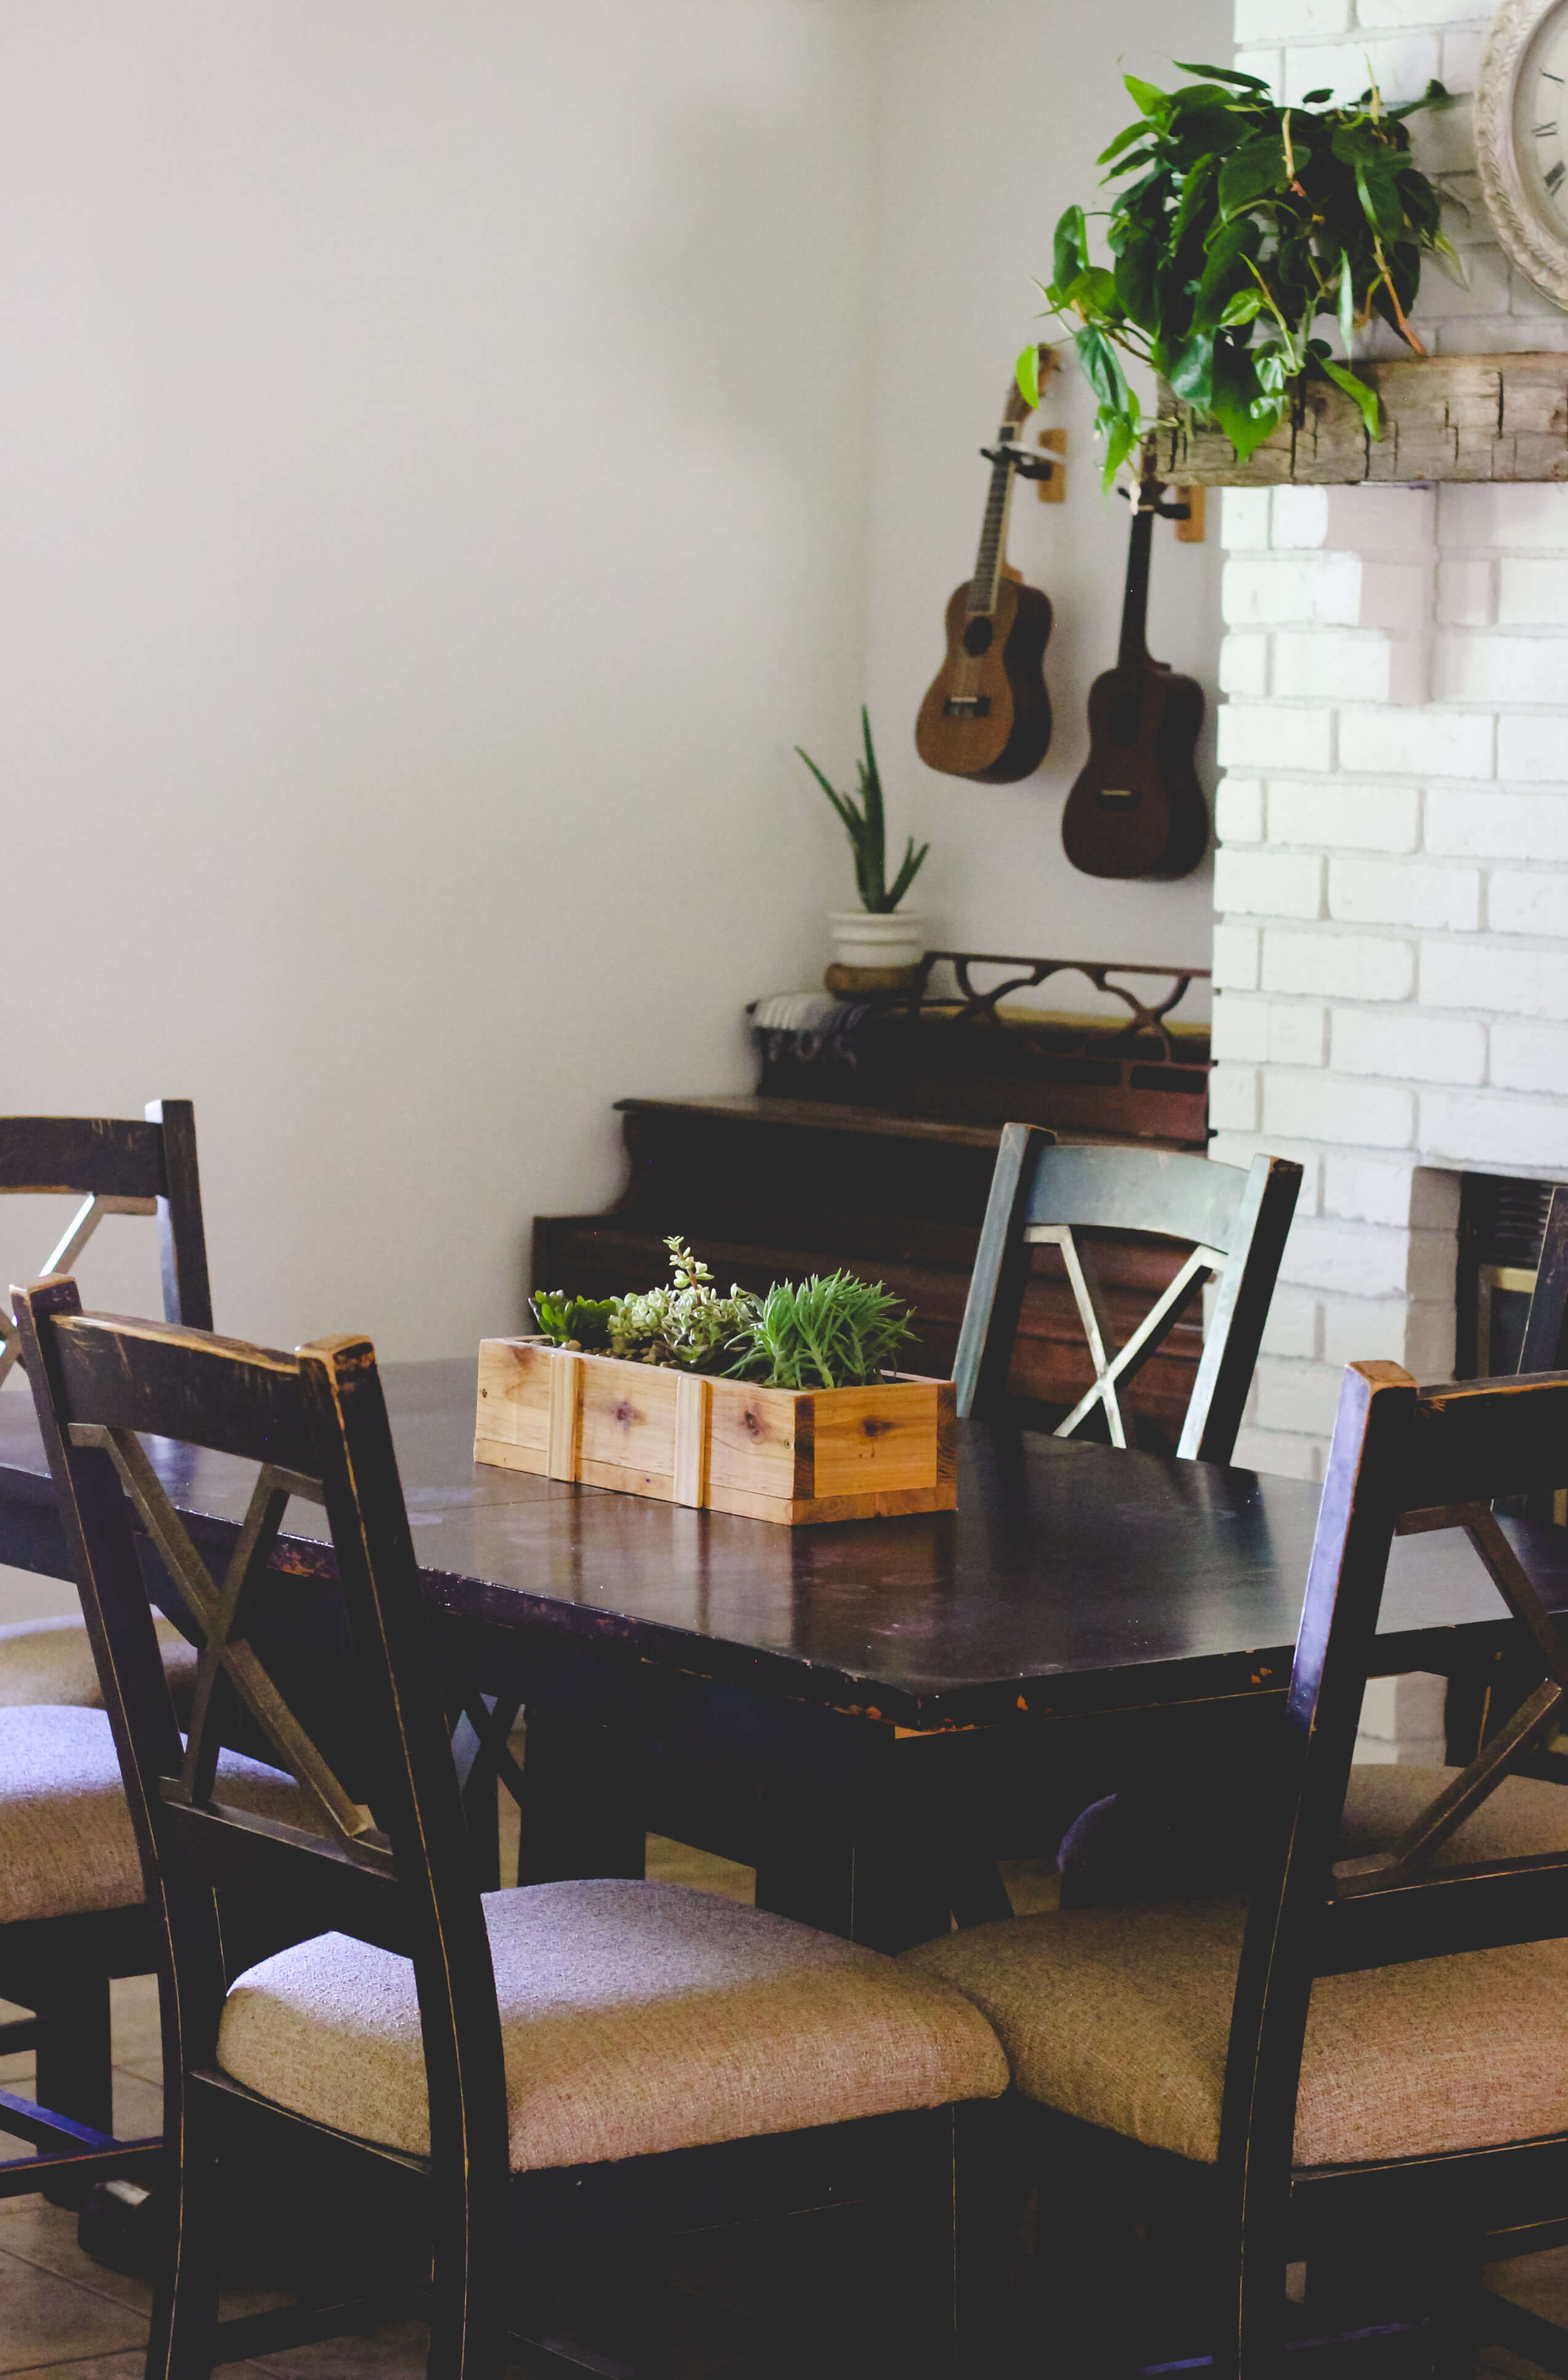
point(987, 714)
point(1137, 808)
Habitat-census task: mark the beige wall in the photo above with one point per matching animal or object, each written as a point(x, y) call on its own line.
point(994, 112)
point(448, 457)
point(430, 446)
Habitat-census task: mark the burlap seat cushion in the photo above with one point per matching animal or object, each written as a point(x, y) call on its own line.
point(635, 2018)
point(1122, 2015)
point(66, 1837)
point(51, 1661)
point(1523, 1816)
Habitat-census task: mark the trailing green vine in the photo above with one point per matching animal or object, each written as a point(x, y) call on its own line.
point(1244, 224)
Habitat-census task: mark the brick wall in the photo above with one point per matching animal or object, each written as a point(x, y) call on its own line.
point(1391, 953)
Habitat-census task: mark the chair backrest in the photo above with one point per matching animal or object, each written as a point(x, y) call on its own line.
point(115, 1166)
point(1545, 1327)
point(1044, 1193)
point(398, 1869)
point(1404, 1461)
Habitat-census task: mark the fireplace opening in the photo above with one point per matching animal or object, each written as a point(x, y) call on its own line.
point(1501, 1225)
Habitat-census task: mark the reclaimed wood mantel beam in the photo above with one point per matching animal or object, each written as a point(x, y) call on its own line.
point(1444, 418)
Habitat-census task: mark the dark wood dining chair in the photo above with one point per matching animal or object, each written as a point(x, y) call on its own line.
point(114, 1166)
point(626, 2052)
point(1482, 1695)
point(1372, 2049)
point(71, 1912)
point(1044, 1192)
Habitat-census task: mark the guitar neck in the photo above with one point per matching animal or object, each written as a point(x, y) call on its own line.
point(1134, 603)
point(992, 551)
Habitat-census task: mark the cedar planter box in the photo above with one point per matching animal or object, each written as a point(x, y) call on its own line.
point(771, 1454)
point(1444, 418)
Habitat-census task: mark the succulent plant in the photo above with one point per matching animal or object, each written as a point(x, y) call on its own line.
point(684, 1322)
point(833, 1331)
point(865, 823)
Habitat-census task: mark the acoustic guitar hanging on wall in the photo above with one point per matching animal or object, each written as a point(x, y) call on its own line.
point(1137, 807)
point(987, 714)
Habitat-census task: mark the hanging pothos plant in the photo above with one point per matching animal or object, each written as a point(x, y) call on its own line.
point(1245, 223)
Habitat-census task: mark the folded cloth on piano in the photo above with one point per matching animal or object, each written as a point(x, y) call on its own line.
point(806, 1026)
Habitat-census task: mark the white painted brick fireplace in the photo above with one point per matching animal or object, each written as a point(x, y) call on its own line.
point(1390, 957)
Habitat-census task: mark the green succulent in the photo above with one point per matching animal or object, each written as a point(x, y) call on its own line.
point(864, 824)
point(1243, 224)
point(686, 1323)
point(834, 1333)
point(828, 1332)
point(572, 1322)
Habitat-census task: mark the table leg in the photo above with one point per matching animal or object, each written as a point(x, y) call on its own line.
point(807, 1872)
point(580, 1808)
point(866, 1875)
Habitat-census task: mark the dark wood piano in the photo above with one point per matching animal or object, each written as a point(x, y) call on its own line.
point(869, 1144)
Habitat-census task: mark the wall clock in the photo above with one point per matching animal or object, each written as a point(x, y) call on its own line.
point(1521, 137)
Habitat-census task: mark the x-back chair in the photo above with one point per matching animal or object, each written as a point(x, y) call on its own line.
point(518, 2058)
point(1373, 2049)
point(114, 1166)
point(1480, 1700)
point(72, 1911)
point(1234, 1222)
point(1045, 1192)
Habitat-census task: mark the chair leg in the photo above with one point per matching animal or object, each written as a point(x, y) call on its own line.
point(185, 2305)
point(916, 2226)
point(467, 2325)
point(75, 2063)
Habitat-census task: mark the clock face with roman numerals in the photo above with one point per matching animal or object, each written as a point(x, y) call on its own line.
point(1541, 118)
point(1521, 137)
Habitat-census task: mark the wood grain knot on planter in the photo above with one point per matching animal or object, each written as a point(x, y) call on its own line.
point(1444, 418)
point(771, 1454)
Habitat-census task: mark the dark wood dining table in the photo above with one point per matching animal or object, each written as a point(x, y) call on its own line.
point(837, 1707)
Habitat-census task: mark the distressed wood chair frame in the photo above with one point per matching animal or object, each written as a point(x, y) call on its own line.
point(1476, 1697)
point(61, 1968)
point(1044, 1194)
point(398, 1871)
point(116, 1167)
point(1412, 1462)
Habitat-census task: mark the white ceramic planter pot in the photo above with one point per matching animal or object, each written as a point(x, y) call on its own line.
point(878, 938)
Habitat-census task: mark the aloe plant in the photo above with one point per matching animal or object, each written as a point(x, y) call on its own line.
point(865, 823)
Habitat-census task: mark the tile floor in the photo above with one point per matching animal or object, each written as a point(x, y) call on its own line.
point(63, 2316)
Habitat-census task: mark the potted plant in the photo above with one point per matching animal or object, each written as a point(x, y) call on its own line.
point(879, 938)
point(783, 1407)
point(1243, 222)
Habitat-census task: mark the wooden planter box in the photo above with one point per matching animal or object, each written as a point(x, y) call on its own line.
point(1444, 418)
point(773, 1454)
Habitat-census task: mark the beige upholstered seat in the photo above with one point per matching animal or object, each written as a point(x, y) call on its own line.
point(1523, 1815)
point(635, 2018)
point(1122, 2016)
point(66, 1838)
point(51, 1661)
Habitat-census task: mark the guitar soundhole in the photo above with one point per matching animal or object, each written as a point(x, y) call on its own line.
point(978, 637)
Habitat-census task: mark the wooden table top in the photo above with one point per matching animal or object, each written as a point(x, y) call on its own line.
point(1071, 1578)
